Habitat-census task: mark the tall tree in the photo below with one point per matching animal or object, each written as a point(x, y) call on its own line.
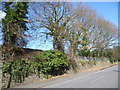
point(53, 16)
point(82, 25)
point(104, 35)
point(14, 26)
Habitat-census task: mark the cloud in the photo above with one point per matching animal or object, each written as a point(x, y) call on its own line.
point(2, 14)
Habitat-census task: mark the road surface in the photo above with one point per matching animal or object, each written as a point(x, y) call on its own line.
point(106, 78)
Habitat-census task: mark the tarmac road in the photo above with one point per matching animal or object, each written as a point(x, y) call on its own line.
point(106, 78)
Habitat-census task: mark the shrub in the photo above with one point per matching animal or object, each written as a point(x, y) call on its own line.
point(112, 59)
point(51, 62)
point(18, 69)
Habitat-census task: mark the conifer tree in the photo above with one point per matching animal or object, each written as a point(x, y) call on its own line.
point(14, 26)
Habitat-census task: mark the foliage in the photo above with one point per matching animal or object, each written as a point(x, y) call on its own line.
point(116, 51)
point(14, 26)
point(18, 69)
point(51, 62)
point(110, 54)
point(79, 28)
point(84, 53)
point(48, 63)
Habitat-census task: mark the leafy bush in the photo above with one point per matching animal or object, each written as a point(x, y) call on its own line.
point(112, 59)
point(18, 69)
point(51, 62)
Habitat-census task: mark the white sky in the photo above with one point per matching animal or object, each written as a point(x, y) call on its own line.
point(2, 14)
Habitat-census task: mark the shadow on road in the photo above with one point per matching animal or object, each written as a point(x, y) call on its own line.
point(116, 70)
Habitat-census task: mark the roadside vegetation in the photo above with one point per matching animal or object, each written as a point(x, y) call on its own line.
point(74, 31)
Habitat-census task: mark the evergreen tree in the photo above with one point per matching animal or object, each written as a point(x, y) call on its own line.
point(14, 26)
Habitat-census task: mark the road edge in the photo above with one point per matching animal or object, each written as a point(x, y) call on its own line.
point(69, 74)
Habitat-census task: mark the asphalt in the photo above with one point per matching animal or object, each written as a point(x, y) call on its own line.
point(106, 78)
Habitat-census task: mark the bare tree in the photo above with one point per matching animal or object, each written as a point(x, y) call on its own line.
point(78, 27)
point(82, 25)
point(104, 35)
point(55, 17)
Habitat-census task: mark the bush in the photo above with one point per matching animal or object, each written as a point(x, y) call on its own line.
point(51, 62)
point(112, 59)
point(18, 69)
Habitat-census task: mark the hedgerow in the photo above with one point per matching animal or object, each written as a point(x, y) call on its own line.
point(50, 62)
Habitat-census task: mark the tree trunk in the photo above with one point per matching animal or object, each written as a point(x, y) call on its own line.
point(58, 44)
point(9, 82)
point(73, 48)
